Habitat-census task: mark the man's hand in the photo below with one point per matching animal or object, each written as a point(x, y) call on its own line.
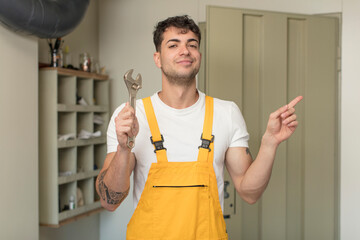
point(113, 182)
point(126, 125)
point(282, 123)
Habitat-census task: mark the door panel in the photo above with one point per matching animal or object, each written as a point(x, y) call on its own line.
point(273, 96)
point(319, 178)
point(295, 146)
point(251, 78)
point(261, 61)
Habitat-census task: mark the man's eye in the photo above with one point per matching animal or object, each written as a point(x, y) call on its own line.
point(172, 46)
point(193, 46)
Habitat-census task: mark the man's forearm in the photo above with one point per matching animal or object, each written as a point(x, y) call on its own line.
point(281, 125)
point(257, 176)
point(113, 183)
point(107, 194)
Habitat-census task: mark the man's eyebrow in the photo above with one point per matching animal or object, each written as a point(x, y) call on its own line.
point(192, 40)
point(173, 40)
point(177, 40)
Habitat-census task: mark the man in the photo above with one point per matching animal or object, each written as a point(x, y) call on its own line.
point(194, 136)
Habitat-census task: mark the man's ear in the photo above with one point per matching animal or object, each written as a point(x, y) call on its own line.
point(157, 59)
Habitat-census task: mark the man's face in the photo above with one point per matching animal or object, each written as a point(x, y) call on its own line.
point(179, 57)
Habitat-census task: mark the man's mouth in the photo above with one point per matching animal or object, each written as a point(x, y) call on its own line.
point(185, 61)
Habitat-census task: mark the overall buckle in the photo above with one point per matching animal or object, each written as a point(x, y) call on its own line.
point(158, 144)
point(205, 143)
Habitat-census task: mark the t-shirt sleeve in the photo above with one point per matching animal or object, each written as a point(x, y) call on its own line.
point(112, 142)
point(240, 136)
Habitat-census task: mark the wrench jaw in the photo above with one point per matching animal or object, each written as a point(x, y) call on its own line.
point(133, 85)
point(136, 86)
point(128, 74)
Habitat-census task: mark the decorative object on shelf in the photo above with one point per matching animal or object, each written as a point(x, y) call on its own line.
point(85, 62)
point(56, 57)
point(86, 134)
point(79, 197)
point(71, 203)
point(81, 101)
point(65, 137)
point(67, 58)
point(103, 70)
point(95, 66)
point(98, 119)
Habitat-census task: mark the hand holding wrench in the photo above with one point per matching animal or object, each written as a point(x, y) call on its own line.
point(133, 85)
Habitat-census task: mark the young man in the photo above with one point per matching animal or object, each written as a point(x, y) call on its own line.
point(181, 184)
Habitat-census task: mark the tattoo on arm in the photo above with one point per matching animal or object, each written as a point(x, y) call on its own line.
point(248, 152)
point(111, 196)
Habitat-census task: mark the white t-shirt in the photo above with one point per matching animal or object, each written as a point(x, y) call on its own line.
point(181, 129)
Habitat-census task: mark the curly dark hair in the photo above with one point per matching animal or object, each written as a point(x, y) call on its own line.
point(182, 22)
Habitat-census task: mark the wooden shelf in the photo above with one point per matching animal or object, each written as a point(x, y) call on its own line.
point(77, 211)
point(59, 114)
point(74, 218)
point(78, 73)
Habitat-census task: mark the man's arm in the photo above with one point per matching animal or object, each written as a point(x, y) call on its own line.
point(113, 181)
point(251, 177)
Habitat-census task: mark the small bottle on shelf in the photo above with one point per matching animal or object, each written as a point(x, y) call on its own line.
point(72, 203)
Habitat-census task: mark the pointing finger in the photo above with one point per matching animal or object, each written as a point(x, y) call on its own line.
point(295, 101)
point(283, 109)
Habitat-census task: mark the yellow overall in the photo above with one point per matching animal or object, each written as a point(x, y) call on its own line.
point(180, 200)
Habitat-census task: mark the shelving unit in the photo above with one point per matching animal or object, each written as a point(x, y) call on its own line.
point(69, 166)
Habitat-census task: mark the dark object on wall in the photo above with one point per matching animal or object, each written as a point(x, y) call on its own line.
point(42, 18)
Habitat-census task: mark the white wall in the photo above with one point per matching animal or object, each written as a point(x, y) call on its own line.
point(126, 42)
point(20, 54)
point(19, 136)
point(350, 117)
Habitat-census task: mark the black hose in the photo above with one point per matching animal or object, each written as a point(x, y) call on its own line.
point(42, 18)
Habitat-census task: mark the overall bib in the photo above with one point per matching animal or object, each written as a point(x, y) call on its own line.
point(180, 200)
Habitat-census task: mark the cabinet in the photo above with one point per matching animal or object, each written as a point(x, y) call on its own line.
point(68, 168)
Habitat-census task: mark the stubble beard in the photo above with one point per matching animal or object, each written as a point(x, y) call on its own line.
point(180, 79)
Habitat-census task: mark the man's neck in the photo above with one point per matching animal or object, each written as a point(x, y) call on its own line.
point(179, 97)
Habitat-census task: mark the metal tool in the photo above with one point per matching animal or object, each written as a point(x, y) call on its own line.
point(133, 85)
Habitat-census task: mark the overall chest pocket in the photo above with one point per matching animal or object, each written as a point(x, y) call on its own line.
point(181, 211)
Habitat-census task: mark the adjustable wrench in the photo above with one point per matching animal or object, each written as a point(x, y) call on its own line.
point(133, 85)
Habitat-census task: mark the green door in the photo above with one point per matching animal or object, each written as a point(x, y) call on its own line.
point(261, 60)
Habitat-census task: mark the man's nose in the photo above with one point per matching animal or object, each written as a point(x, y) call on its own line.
point(184, 50)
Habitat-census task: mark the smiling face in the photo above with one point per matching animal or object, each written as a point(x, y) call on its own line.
point(179, 57)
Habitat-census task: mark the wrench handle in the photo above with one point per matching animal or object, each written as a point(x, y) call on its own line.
point(131, 140)
point(133, 102)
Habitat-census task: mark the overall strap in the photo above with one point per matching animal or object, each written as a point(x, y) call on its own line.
point(156, 138)
point(207, 144)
